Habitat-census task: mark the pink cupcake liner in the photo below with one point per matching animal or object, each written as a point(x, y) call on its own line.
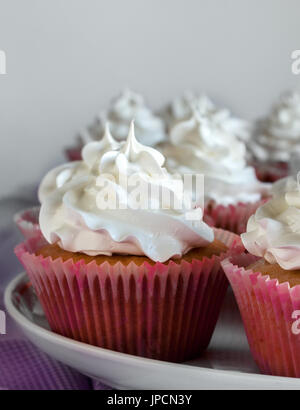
point(233, 218)
point(73, 154)
point(267, 311)
point(230, 239)
point(271, 172)
point(28, 222)
point(161, 311)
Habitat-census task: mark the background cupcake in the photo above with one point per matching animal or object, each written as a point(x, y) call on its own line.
point(150, 129)
point(267, 285)
point(27, 221)
point(142, 280)
point(277, 138)
point(182, 108)
point(202, 145)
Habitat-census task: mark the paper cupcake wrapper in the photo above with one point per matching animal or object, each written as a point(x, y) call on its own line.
point(162, 311)
point(73, 154)
point(28, 222)
point(271, 172)
point(269, 312)
point(233, 218)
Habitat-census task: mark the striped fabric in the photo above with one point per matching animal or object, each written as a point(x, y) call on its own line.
point(22, 366)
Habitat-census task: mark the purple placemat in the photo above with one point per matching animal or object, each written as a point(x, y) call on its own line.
point(23, 366)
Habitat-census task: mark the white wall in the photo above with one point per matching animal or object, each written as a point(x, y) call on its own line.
point(67, 58)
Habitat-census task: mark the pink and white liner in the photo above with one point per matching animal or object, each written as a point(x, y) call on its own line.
point(233, 218)
point(162, 311)
point(267, 309)
point(28, 222)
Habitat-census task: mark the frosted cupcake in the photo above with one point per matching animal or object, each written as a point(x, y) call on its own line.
point(149, 129)
point(144, 280)
point(183, 107)
point(277, 138)
point(266, 282)
point(232, 192)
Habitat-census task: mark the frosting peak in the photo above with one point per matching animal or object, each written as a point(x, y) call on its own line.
point(130, 157)
point(92, 151)
point(132, 148)
point(182, 108)
point(274, 231)
point(95, 206)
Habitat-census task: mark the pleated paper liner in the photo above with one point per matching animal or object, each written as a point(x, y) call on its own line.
point(27, 221)
point(161, 311)
point(271, 172)
point(269, 312)
point(233, 218)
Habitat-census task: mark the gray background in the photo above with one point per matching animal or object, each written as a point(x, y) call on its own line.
point(67, 58)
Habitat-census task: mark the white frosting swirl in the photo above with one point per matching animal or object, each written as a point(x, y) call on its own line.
point(199, 145)
point(277, 137)
point(182, 108)
point(149, 129)
point(73, 215)
point(274, 231)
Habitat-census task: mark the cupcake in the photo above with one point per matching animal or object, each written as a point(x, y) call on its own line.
point(183, 107)
point(202, 146)
point(277, 139)
point(27, 221)
point(121, 268)
point(266, 282)
point(149, 129)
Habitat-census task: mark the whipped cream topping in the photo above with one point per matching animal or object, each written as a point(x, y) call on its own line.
point(277, 137)
point(274, 231)
point(75, 216)
point(182, 108)
point(200, 145)
point(149, 129)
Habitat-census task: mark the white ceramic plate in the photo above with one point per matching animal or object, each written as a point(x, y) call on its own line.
point(227, 364)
